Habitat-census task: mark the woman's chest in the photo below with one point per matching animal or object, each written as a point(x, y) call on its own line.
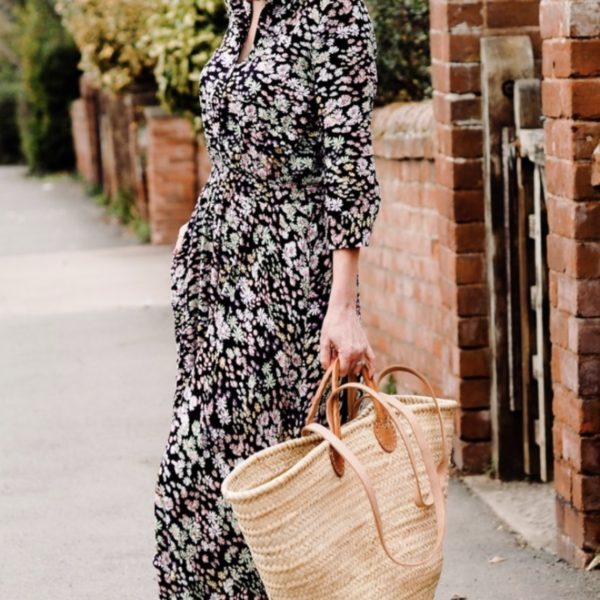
point(272, 86)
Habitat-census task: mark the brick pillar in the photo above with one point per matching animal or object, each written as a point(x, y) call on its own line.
point(172, 174)
point(456, 28)
point(84, 119)
point(571, 102)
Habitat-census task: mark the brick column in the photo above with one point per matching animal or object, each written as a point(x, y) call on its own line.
point(571, 102)
point(84, 125)
point(172, 173)
point(456, 28)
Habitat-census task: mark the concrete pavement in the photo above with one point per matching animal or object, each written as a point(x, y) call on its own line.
point(87, 368)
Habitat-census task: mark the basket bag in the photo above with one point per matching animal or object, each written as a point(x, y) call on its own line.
point(319, 530)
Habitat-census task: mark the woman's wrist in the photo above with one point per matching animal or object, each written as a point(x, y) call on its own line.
point(342, 302)
point(344, 288)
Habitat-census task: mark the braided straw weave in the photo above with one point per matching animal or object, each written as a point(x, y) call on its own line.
point(312, 533)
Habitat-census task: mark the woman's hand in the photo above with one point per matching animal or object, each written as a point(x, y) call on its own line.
point(177, 247)
point(343, 336)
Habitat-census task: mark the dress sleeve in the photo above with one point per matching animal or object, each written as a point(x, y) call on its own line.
point(345, 78)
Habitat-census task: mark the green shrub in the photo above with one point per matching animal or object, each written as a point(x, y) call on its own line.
point(50, 80)
point(402, 31)
point(182, 36)
point(10, 151)
point(107, 33)
point(122, 208)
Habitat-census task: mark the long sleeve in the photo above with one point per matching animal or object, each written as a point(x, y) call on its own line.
point(345, 78)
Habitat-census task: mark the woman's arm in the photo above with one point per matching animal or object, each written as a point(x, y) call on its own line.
point(345, 79)
point(342, 333)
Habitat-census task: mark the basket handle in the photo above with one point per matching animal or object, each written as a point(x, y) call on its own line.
point(375, 396)
point(434, 479)
point(333, 373)
point(443, 464)
point(384, 430)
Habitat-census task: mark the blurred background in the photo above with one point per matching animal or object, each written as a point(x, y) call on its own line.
point(483, 273)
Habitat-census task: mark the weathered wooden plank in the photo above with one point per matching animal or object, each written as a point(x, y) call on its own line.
point(541, 308)
point(527, 105)
point(527, 232)
point(513, 268)
point(504, 60)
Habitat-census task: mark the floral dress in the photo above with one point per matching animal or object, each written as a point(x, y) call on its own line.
point(292, 179)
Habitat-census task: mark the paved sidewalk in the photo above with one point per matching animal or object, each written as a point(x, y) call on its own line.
point(87, 368)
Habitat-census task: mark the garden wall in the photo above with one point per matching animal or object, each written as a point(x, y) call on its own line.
point(400, 293)
point(411, 271)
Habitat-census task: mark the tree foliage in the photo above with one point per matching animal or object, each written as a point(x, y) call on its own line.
point(181, 37)
point(107, 33)
point(402, 31)
point(49, 80)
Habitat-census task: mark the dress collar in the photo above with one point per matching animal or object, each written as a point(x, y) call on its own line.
point(240, 11)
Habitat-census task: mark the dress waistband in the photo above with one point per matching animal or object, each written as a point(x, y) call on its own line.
point(268, 172)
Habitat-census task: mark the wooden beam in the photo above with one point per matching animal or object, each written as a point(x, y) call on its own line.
point(503, 61)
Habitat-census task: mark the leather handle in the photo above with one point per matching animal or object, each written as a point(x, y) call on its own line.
point(384, 429)
point(338, 461)
point(333, 373)
point(435, 485)
point(443, 464)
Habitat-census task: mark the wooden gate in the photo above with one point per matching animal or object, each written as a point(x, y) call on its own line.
point(516, 229)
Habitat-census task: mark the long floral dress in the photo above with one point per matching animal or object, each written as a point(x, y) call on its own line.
point(292, 178)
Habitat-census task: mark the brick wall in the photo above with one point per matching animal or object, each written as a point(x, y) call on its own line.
point(84, 119)
point(114, 144)
point(177, 168)
point(400, 294)
point(456, 29)
point(571, 103)
point(425, 291)
point(429, 243)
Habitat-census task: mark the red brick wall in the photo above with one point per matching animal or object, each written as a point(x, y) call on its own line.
point(428, 250)
point(456, 28)
point(571, 103)
point(425, 296)
point(172, 174)
point(84, 120)
point(400, 292)
point(177, 169)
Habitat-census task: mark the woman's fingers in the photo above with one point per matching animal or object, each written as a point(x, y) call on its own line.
point(351, 359)
point(345, 363)
point(180, 234)
point(342, 336)
point(370, 356)
point(364, 357)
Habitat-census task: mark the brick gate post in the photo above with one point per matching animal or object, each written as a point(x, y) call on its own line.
point(571, 103)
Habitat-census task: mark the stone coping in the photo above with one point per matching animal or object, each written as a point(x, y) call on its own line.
point(404, 130)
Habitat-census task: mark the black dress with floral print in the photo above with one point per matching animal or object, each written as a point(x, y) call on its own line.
point(292, 179)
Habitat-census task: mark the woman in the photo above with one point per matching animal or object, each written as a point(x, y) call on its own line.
point(264, 276)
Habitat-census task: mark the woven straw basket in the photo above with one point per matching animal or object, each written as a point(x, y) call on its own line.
point(319, 530)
